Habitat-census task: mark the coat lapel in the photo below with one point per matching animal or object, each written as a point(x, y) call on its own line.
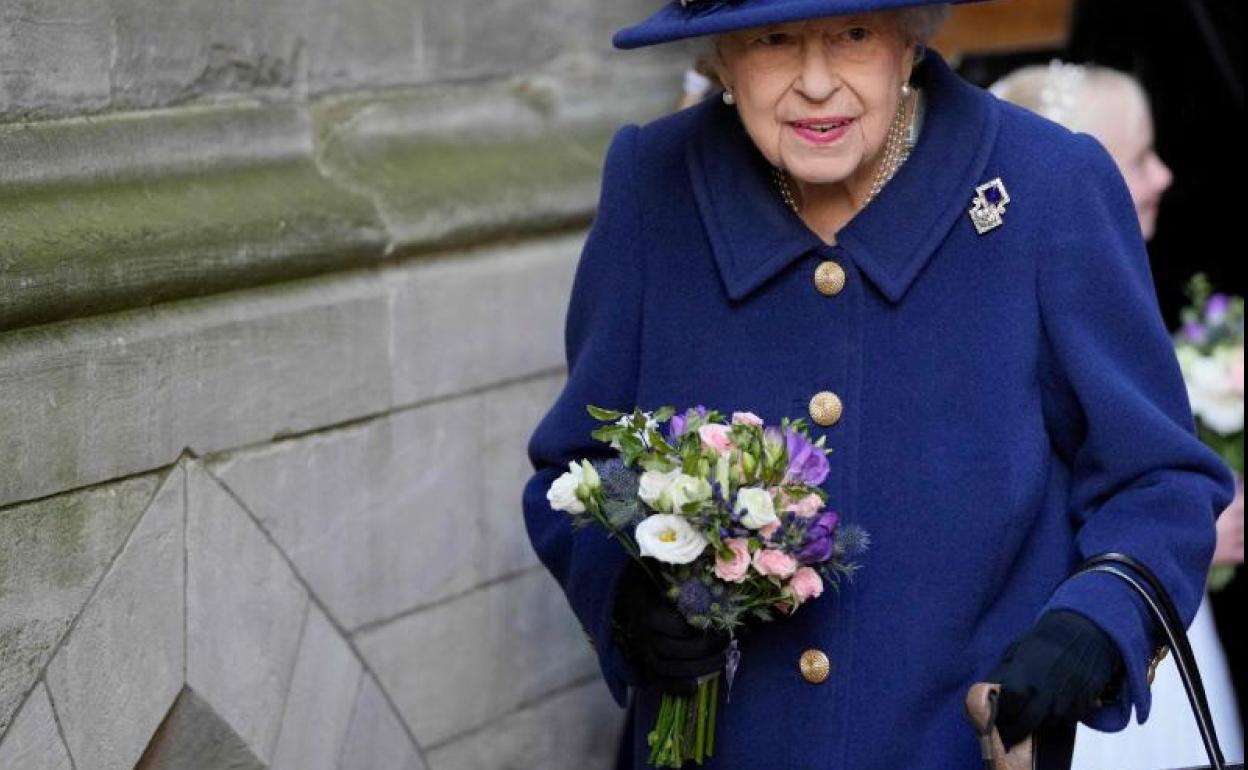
point(754, 235)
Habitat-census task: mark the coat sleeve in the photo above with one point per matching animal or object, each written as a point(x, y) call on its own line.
point(1118, 414)
point(602, 335)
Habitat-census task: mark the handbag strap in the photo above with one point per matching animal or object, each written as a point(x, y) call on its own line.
point(1163, 609)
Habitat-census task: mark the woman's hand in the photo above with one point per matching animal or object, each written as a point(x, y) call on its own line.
point(1230, 548)
point(1054, 674)
point(671, 653)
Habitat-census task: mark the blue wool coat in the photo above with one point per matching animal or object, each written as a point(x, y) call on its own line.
point(1011, 405)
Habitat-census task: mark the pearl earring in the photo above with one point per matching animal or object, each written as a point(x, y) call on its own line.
point(728, 97)
point(906, 90)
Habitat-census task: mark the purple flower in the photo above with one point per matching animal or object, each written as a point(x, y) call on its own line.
point(1193, 331)
point(676, 426)
point(817, 545)
point(807, 463)
point(1215, 308)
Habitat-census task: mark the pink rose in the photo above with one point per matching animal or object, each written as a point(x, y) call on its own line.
point(806, 584)
point(805, 508)
point(769, 561)
point(733, 570)
point(716, 437)
point(746, 418)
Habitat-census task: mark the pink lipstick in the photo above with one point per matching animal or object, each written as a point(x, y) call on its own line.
point(821, 130)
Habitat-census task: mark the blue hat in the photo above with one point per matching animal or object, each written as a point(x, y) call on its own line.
point(708, 17)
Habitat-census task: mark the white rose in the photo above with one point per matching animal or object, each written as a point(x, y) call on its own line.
point(653, 483)
point(567, 492)
point(758, 507)
point(562, 494)
point(669, 538)
point(683, 489)
point(1212, 389)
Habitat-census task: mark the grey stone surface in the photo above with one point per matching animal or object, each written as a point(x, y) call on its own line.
point(364, 512)
point(401, 511)
point(322, 693)
point(245, 612)
point(87, 402)
point(122, 665)
point(32, 742)
point(54, 552)
point(176, 52)
point(130, 146)
point(373, 42)
point(127, 209)
point(94, 245)
point(508, 417)
point(577, 729)
point(491, 37)
point(479, 656)
point(193, 737)
point(66, 56)
point(376, 739)
point(55, 57)
point(445, 164)
point(467, 321)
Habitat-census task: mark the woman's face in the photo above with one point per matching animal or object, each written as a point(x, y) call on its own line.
point(817, 96)
point(1124, 126)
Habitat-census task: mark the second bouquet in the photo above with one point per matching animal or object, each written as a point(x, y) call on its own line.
point(727, 517)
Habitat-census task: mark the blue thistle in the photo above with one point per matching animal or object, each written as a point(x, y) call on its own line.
point(694, 598)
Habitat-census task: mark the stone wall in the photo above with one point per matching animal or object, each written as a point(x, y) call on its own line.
point(282, 289)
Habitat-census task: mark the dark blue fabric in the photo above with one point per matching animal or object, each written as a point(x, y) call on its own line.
point(710, 17)
point(1012, 405)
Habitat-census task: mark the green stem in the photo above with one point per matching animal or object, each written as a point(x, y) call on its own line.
point(701, 729)
point(710, 729)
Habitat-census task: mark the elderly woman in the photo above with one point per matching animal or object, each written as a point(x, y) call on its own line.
point(955, 293)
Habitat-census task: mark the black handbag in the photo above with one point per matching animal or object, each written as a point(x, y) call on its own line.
point(981, 699)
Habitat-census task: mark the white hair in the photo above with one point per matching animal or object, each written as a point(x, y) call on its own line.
point(1064, 92)
point(918, 24)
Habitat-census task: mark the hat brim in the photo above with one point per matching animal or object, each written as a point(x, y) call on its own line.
point(711, 17)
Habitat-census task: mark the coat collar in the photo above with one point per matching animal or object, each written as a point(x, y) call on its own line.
point(754, 235)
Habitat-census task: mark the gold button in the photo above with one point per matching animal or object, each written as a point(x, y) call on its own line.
point(815, 666)
point(829, 278)
point(825, 407)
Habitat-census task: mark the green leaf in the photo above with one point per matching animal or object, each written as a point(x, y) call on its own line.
point(603, 435)
point(659, 463)
point(598, 413)
point(657, 441)
point(664, 413)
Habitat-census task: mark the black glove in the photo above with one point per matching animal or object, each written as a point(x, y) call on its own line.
point(1054, 674)
point(670, 653)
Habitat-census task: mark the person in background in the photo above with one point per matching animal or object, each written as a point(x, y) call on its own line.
point(1112, 107)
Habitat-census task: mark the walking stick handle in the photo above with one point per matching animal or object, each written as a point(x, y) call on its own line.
point(981, 710)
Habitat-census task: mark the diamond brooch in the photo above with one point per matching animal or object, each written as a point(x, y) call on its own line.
point(988, 207)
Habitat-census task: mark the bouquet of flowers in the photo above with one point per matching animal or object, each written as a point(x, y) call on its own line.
point(1210, 348)
point(727, 517)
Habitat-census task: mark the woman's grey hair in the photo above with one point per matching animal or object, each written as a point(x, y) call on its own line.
point(921, 23)
point(918, 24)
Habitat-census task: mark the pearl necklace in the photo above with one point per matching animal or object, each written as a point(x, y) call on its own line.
point(903, 134)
